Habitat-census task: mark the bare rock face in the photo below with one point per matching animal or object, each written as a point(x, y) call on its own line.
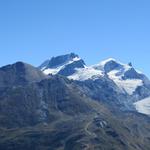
point(19, 74)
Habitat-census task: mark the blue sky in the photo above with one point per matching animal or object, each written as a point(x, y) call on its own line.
point(34, 30)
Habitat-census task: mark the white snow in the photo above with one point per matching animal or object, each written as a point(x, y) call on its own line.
point(102, 63)
point(60, 67)
point(52, 71)
point(97, 71)
point(86, 73)
point(76, 59)
point(143, 106)
point(128, 85)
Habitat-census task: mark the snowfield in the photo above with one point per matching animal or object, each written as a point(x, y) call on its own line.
point(143, 106)
point(86, 73)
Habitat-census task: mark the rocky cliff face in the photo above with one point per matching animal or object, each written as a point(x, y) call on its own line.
point(19, 74)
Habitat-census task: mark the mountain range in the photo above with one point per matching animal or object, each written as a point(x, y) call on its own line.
point(123, 79)
point(66, 105)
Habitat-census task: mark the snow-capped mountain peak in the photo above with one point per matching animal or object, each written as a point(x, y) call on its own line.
point(111, 64)
point(64, 64)
point(55, 62)
point(124, 75)
point(72, 66)
point(104, 62)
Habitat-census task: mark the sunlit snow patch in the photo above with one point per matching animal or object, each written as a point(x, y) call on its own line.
point(143, 106)
point(86, 73)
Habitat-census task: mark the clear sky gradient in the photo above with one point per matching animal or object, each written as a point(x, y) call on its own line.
point(35, 30)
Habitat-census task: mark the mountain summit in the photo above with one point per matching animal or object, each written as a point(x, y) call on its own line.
point(19, 73)
point(64, 64)
point(125, 76)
